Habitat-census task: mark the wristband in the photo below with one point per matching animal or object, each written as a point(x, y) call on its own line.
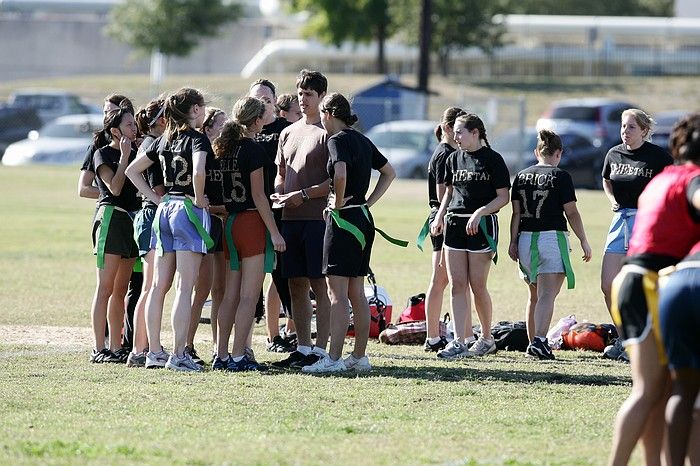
point(304, 195)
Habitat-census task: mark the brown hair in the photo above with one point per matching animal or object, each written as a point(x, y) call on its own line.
point(337, 106)
point(264, 82)
point(284, 102)
point(120, 101)
point(643, 119)
point(448, 118)
point(685, 139)
point(548, 142)
point(471, 122)
point(112, 119)
point(245, 112)
point(312, 80)
point(146, 117)
point(177, 110)
point(211, 116)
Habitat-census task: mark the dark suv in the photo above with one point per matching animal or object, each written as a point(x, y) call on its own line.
point(15, 124)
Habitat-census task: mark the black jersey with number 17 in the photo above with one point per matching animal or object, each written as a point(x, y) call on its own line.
point(542, 191)
point(474, 177)
point(175, 158)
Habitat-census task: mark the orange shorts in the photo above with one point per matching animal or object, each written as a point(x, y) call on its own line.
point(248, 232)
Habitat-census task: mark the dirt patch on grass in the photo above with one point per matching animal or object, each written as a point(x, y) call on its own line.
point(41, 335)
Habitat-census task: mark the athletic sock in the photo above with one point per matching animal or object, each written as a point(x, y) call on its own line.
point(470, 339)
point(434, 340)
point(305, 350)
point(542, 339)
point(238, 359)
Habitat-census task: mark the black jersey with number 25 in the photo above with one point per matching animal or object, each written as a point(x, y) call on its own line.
point(542, 191)
point(236, 168)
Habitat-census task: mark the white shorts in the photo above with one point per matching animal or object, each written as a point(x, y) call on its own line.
point(550, 260)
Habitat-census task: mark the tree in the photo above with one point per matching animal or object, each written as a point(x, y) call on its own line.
point(590, 7)
point(171, 27)
point(359, 21)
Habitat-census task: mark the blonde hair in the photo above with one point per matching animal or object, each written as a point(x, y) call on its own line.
point(643, 119)
point(244, 114)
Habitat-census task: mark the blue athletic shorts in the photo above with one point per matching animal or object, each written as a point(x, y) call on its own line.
point(620, 231)
point(679, 315)
point(177, 233)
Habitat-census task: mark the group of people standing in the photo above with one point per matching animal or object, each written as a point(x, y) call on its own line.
point(655, 231)
point(223, 201)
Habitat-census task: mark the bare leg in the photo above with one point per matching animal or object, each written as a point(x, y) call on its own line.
point(117, 308)
point(301, 309)
point(458, 270)
point(252, 276)
point(201, 293)
point(361, 315)
point(530, 309)
point(140, 334)
point(187, 264)
point(340, 314)
point(323, 312)
point(163, 273)
point(433, 298)
point(218, 289)
point(103, 290)
point(227, 312)
point(648, 386)
point(612, 263)
point(273, 303)
point(548, 287)
point(679, 412)
point(479, 265)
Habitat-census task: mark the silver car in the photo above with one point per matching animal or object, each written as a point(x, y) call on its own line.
point(407, 144)
point(63, 141)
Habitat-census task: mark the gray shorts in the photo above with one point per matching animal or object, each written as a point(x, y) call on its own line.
point(550, 260)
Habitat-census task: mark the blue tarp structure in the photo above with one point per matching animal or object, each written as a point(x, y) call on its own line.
point(388, 100)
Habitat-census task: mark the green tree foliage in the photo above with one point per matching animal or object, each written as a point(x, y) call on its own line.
point(589, 7)
point(173, 27)
point(358, 21)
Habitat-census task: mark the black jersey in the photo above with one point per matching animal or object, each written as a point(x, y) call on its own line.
point(153, 174)
point(236, 168)
point(268, 138)
point(175, 159)
point(436, 171)
point(360, 156)
point(631, 170)
point(542, 191)
point(88, 164)
point(474, 177)
point(127, 198)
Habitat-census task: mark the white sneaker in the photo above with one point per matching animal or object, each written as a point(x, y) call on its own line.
point(182, 364)
point(482, 347)
point(324, 365)
point(453, 350)
point(158, 359)
point(359, 365)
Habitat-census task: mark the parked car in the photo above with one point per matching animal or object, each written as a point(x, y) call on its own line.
point(597, 119)
point(583, 160)
point(63, 141)
point(15, 123)
point(516, 149)
point(407, 144)
point(661, 134)
point(50, 104)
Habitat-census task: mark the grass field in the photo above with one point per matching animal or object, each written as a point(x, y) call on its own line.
point(55, 408)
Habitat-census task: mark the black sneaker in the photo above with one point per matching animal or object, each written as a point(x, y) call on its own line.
point(309, 359)
point(193, 354)
point(122, 354)
point(434, 347)
point(540, 349)
point(291, 338)
point(279, 345)
point(293, 358)
point(104, 356)
point(219, 364)
point(243, 365)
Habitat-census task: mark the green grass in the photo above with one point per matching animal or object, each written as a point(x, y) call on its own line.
point(55, 408)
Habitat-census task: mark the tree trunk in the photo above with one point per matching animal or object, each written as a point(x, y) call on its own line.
point(425, 38)
point(381, 40)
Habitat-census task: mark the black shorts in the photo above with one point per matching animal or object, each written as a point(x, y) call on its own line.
point(217, 234)
point(635, 305)
point(120, 234)
point(343, 254)
point(679, 320)
point(143, 227)
point(303, 256)
point(456, 234)
point(436, 240)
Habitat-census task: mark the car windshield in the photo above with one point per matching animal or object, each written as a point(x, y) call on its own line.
point(575, 113)
point(67, 130)
point(397, 139)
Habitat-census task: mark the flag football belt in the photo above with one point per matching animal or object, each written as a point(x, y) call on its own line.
point(424, 231)
point(234, 262)
point(493, 244)
point(107, 211)
point(535, 259)
point(353, 230)
point(194, 220)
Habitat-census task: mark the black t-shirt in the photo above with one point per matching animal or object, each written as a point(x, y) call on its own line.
point(692, 188)
point(175, 159)
point(436, 171)
point(631, 170)
point(87, 161)
point(236, 168)
point(127, 198)
point(153, 174)
point(542, 192)
point(474, 177)
point(360, 156)
point(268, 138)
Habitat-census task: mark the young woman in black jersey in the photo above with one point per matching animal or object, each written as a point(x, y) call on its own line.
point(627, 169)
point(444, 133)
point(181, 225)
point(250, 232)
point(542, 195)
point(212, 272)
point(477, 183)
point(113, 230)
point(347, 244)
point(151, 124)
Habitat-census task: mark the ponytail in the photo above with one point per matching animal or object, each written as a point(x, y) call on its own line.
point(177, 110)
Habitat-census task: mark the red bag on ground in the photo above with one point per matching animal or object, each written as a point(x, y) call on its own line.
point(588, 336)
point(415, 309)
